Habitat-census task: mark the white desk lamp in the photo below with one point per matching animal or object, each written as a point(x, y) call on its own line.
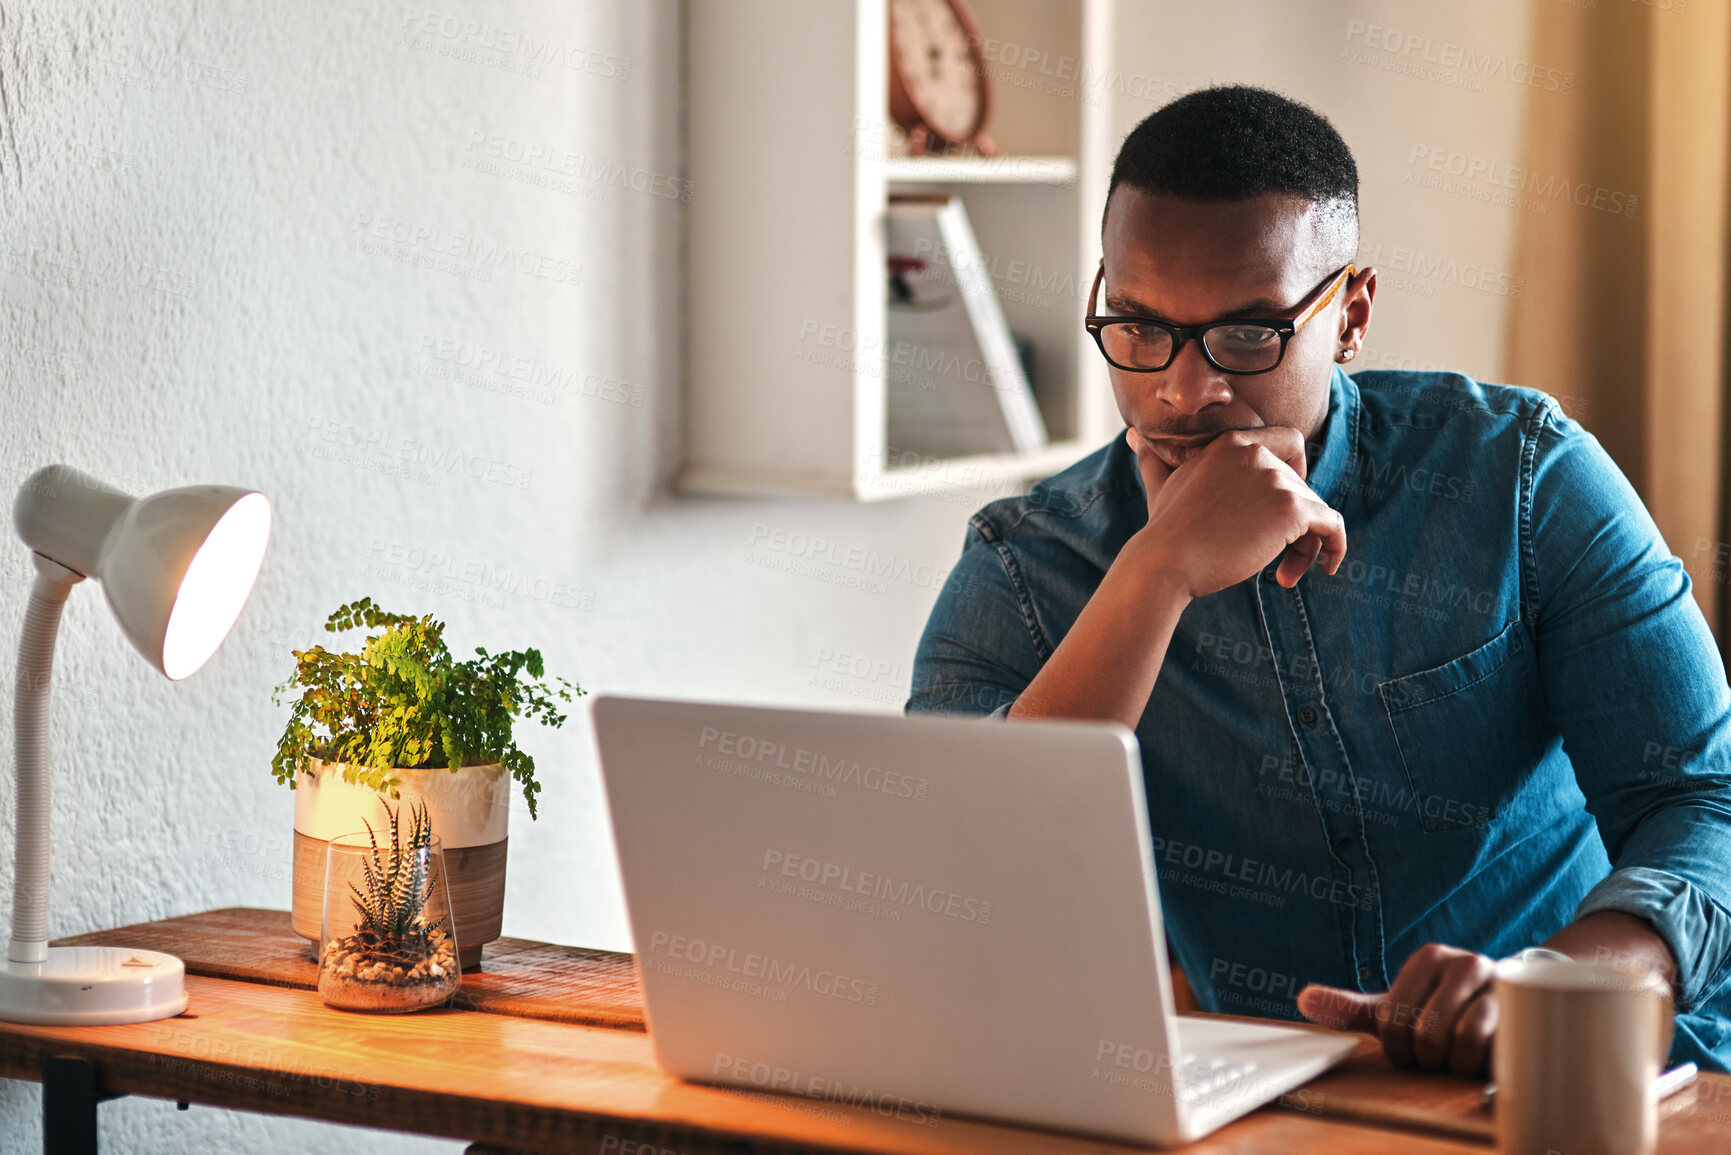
point(177, 568)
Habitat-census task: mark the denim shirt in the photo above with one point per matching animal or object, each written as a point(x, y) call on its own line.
point(1504, 712)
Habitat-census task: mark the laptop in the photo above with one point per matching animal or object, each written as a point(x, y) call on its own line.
point(924, 916)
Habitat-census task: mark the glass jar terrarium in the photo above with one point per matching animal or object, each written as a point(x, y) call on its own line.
point(387, 941)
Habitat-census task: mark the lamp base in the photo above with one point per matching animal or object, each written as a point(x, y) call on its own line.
point(93, 986)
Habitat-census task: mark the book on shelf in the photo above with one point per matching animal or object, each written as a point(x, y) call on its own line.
point(954, 383)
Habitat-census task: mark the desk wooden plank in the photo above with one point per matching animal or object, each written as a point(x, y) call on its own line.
point(518, 976)
point(541, 1086)
point(1368, 1089)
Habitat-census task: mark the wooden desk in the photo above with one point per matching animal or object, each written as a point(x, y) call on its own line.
point(544, 1050)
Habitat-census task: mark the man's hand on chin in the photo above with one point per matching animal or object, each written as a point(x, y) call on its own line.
point(1439, 1015)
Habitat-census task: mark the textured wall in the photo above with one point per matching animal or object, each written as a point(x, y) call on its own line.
point(268, 244)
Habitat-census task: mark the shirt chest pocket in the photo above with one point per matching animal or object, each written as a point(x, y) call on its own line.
point(1468, 732)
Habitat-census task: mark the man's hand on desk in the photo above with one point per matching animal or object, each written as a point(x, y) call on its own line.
point(1438, 1015)
point(1440, 1012)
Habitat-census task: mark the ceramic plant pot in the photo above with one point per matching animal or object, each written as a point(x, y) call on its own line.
point(470, 812)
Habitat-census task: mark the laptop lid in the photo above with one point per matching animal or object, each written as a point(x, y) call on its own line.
point(919, 914)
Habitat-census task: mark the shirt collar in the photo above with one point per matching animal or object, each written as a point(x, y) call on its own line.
point(1339, 447)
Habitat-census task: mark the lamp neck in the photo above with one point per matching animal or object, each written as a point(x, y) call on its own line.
point(54, 581)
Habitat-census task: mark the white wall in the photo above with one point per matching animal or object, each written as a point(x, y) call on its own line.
point(186, 294)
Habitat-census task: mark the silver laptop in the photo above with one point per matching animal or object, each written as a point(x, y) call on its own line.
point(923, 916)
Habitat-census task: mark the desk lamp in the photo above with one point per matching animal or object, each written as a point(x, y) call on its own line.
point(177, 568)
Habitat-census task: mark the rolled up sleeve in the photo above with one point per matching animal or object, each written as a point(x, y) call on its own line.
point(1634, 683)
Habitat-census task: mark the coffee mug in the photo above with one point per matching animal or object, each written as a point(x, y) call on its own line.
point(1577, 1047)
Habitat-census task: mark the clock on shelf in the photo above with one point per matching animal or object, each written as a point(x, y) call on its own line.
point(940, 90)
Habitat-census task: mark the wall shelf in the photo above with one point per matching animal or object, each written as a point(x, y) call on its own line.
point(790, 170)
point(1059, 170)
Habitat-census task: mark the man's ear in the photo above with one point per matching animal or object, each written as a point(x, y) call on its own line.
point(1360, 290)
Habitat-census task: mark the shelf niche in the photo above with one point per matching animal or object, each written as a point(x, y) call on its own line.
point(791, 158)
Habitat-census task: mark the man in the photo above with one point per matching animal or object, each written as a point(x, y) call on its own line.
point(1489, 716)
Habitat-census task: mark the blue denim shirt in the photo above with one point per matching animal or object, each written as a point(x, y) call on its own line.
point(1505, 711)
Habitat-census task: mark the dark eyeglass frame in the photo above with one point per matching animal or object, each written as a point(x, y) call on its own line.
point(1284, 327)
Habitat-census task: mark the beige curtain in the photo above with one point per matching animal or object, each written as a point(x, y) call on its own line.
point(1624, 311)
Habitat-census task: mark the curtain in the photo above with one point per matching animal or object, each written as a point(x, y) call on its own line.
point(1622, 244)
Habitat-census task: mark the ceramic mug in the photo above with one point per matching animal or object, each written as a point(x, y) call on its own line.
point(1577, 1047)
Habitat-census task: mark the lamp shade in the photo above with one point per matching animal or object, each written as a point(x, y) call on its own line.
point(176, 567)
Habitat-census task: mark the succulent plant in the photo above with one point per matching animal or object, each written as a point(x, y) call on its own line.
point(393, 925)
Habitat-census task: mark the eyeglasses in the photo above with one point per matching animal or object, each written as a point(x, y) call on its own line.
point(1242, 345)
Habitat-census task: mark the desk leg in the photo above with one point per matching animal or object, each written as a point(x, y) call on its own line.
point(69, 1099)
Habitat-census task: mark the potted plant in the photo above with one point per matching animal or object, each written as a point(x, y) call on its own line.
point(386, 943)
point(403, 717)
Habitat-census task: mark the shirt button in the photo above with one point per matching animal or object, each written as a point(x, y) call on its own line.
point(1268, 574)
point(1364, 972)
point(1307, 715)
point(1343, 847)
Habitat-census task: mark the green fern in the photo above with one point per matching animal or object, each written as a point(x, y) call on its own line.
point(404, 702)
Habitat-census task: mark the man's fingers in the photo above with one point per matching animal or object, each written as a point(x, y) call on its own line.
point(1154, 471)
point(1299, 556)
point(1334, 549)
point(1470, 1057)
point(1338, 1009)
point(1324, 538)
point(1283, 441)
point(1405, 1003)
point(1463, 979)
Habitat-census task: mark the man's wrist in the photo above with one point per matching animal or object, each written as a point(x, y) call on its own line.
point(1148, 563)
point(1611, 936)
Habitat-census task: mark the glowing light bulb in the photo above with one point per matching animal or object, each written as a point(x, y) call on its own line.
point(216, 586)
